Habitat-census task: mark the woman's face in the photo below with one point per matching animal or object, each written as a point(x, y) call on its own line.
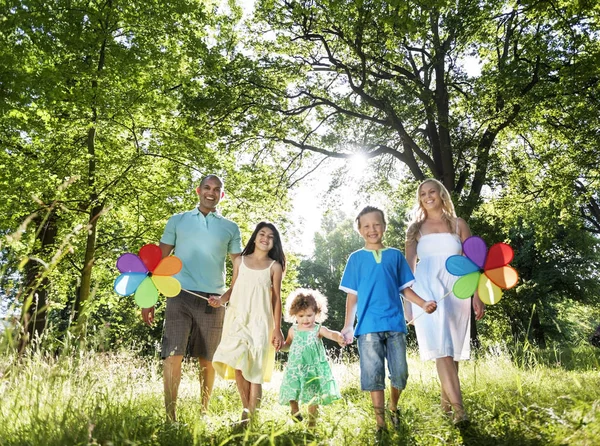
point(429, 196)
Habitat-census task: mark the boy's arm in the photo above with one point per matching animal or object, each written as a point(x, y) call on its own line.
point(335, 336)
point(428, 306)
point(348, 330)
point(288, 341)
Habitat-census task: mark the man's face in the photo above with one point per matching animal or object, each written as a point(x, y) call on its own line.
point(210, 193)
point(372, 228)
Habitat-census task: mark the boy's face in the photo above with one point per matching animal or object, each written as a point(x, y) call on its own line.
point(372, 228)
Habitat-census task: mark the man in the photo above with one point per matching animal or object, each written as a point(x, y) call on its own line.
point(201, 238)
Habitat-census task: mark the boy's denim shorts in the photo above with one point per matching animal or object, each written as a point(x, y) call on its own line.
point(374, 349)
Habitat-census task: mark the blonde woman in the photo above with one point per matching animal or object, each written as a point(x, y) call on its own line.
point(434, 234)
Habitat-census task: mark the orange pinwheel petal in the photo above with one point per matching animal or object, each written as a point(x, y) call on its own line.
point(489, 293)
point(500, 254)
point(168, 266)
point(505, 277)
point(168, 286)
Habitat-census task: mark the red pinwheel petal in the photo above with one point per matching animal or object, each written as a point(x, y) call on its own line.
point(500, 254)
point(150, 255)
point(505, 277)
point(168, 266)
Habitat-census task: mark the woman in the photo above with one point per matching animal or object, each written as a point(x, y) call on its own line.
point(434, 234)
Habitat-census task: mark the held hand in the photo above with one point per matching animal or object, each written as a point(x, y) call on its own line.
point(214, 301)
point(348, 335)
point(478, 307)
point(148, 315)
point(340, 339)
point(429, 306)
point(277, 339)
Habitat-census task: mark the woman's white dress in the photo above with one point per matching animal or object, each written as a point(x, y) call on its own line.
point(445, 332)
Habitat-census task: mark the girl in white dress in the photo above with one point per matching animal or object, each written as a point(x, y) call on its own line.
point(434, 234)
point(252, 325)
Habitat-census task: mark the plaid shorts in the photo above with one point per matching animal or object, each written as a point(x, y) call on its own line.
point(191, 326)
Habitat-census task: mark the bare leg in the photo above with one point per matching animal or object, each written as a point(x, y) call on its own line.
point(207, 380)
point(171, 380)
point(244, 391)
point(394, 397)
point(448, 373)
point(378, 399)
point(255, 397)
point(313, 413)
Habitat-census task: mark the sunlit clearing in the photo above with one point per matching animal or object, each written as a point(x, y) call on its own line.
point(358, 164)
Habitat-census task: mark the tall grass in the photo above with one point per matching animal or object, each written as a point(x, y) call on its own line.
point(116, 399)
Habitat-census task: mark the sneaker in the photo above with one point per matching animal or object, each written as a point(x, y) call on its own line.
point(382, 436)
point(461, 420)
point(395, 418)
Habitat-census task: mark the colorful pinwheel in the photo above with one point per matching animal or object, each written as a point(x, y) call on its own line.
point(146, 274)
point(486, 271)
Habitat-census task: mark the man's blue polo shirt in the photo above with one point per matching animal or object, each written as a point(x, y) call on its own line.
point(202, 243)
point(377, 277)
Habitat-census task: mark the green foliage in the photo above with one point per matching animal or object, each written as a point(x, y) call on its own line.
point(90, 398)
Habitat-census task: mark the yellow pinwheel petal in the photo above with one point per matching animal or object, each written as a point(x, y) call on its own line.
point(489, 292)
point(168, 286)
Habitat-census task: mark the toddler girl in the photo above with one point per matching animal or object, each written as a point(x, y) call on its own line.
point(307, 377)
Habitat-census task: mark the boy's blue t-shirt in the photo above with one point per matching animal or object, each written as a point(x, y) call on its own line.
point(377, 277)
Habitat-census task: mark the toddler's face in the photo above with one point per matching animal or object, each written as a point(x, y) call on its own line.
point(306, 318)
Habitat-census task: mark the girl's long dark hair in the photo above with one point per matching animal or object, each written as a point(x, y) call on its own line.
point(276, 252)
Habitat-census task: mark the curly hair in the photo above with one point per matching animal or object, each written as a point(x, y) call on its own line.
point(418, 214)
point(303, 299)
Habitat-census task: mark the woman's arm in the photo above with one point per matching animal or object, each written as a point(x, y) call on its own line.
point(276, 278)
point(478, 306)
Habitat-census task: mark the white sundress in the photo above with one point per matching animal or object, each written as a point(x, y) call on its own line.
point(445, 332)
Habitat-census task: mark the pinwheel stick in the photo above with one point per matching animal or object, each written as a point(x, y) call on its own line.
point(198, 295)
point(417, 317)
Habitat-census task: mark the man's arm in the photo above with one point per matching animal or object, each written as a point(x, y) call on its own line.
point(148, 313)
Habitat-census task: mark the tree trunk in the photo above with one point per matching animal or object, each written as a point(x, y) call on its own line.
point(35, 291)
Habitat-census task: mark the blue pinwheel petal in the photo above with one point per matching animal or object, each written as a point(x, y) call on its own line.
point(460, 265)
point(127, 283)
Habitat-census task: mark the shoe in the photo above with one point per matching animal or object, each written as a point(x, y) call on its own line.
point(297, 417)
point(395, 418)
point(382, 436)
point(461, 420)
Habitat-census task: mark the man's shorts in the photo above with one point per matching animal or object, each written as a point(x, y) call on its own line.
point(191, 326)
point(374, 349)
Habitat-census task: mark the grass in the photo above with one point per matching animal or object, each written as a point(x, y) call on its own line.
point(551, 398)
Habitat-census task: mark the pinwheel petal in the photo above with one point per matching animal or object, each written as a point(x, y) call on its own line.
point(150, 255)
point(460, 265)
point(169, 286)
point(130, 263)
point(146, 295)
point(505, 277)
point(489, 293)
point(127, 283)
point(465, 286)
point(475, 248)
point(500, 254)
point(167, 267)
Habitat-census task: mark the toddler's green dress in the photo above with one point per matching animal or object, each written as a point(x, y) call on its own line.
point(307, 377)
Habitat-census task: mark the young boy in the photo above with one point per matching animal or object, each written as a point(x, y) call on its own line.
point(374, 278)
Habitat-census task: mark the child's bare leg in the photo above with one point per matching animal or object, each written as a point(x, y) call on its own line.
point(394, 397)
point(313, 413)
point(295, 408)
point(378, 399)
point(255, 397)
point(244, 391)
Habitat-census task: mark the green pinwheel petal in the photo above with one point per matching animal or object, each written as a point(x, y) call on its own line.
point(465, 286)
point(146, 294)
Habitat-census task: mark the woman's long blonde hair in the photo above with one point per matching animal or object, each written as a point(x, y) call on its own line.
point(418, 214)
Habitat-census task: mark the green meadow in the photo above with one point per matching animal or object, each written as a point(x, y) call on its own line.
point(549, 397)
